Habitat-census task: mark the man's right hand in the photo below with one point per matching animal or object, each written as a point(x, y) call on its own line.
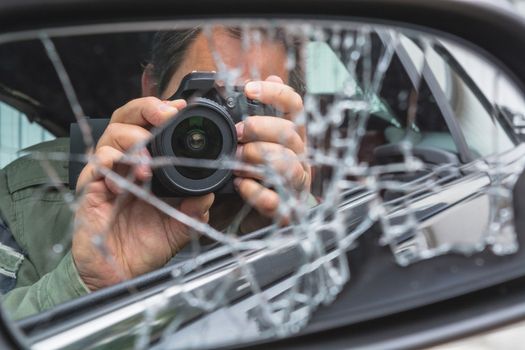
point(117, 235)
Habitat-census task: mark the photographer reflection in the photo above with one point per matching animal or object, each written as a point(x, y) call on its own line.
point(203, 130)
point(117, 236)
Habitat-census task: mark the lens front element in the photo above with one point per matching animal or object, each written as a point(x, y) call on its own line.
point(196, 140)
point(197, 137)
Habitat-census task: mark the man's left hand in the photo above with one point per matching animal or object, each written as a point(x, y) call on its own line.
point(275, 142)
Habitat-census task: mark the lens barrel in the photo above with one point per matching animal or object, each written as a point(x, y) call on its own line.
point(204, 130)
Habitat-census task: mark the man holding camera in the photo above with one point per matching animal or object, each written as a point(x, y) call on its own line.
point(116, 235)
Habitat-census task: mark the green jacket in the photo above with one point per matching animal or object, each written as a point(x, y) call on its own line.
point(34, 205)
point(39, 217)
point(38, 270)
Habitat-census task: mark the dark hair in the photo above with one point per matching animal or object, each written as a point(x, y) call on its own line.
point(167, 53)
point(169, 49)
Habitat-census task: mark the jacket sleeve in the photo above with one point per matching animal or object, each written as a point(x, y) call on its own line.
point(37, 271)
point(56, 287)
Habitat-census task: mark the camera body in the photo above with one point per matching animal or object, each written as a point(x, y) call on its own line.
point(204, 130)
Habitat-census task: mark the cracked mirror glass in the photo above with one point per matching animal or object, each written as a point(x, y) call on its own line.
point(202, 184)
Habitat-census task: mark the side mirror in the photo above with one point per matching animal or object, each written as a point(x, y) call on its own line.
point(407, 117)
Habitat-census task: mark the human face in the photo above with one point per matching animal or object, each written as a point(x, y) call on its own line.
point(265, 57)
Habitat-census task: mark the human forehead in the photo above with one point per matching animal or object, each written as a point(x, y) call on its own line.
point(255, 57)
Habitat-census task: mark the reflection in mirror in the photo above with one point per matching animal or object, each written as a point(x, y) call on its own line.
point(17, 133)
point(213, 180)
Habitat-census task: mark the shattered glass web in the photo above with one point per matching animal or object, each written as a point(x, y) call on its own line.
point(323, 236)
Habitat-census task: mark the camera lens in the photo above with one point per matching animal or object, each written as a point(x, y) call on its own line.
point(197, 137)
point(201, 135)
point(196, 140)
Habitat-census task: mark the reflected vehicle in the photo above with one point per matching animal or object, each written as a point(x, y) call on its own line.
point(407, 216)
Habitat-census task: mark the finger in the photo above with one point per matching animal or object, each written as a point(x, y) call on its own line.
point(279, 159)
point(94, 194)
point(198, 207)
point(110, 158)
point(142, 165)
point(123, 136)
point(271, 129)
point(278, 95)
point(105, 157)
point(264, 200)
point(275, 79)
point(136, 168)
point(147, 111)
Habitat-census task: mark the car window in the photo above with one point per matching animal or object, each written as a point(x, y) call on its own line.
point(475, 117)
point(17, 133)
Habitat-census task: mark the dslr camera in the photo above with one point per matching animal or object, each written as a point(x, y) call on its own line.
point(204, 130)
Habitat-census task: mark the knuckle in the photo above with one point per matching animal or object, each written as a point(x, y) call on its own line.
point(119, 113)
point(288, 155)
point(269, 203)
point(283, 163)
point(298, 171)
point(148, 101)
point(297, 102)
point(287, 129)
point(289, 136)
point(138, 133)
point(112, 129)
point(296, 143)
point(133, 132)
point(116, 113)
point(248, 151)
point(153, 115)
point(103, 157)
point(250, 125)
point(150, 110)
point(104, 152)
point(276, 153)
